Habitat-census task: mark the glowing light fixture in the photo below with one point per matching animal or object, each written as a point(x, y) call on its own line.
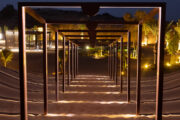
point(40, 29)
point(87, 47)
point(93, 102)
point(94, 115)
point(1, 36)
point(145, 42)
point(122, 73)
point(146, 66)
point(168, 64)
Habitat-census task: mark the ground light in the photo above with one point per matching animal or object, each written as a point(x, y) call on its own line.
point(168, 64)
point(87, 47)
point(177, 62)
point(93, 115)
point(146, 66)
point(94, 102)
point(122, 73)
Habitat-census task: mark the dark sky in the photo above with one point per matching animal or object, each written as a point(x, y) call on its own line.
point(173, 6)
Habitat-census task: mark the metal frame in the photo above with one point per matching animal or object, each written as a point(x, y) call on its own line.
point(64, 64)
point(45, 68)
point(57, 65)
point(138, 79)
point(128, 68)
point(72, 61)
point(69, 62)
point(22, 45)
point(121, 65)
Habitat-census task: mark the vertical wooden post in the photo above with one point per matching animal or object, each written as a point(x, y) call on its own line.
point(72, 61)
point(113, 62)
point(110, 61)
point(121, 66)
point(69, 62)
point(45, 68)
point(112, 69)
point(57, 65)
point(64, 64)
point(22, 62)
point(77, 60)
point(160, 62)
point(138, 80)
point(128, 67)
point(117, 63)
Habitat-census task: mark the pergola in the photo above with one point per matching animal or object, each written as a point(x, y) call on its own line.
point(89, 8)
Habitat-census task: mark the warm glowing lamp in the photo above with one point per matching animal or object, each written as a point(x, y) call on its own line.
point(40, 29)
point(168, 64)
point(146, 66)
point(87, 47)
point(1, 36)
point(122, 73)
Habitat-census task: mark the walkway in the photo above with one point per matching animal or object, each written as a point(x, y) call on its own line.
point(89, 97)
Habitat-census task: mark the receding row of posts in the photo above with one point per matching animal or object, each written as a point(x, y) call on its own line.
point(72, 66)
point(114, 63)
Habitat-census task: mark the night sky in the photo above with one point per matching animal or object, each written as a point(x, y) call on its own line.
point(173, 6)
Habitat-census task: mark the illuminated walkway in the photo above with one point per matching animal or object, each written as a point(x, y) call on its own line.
point(89, 97)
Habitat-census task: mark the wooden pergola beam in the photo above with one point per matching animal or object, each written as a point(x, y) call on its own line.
point(153, 12)
point(36, 16)
point(95, 30)
point(89, 39)
point(88, 43)
point(102, 4)
point(96, 35)
point(119, 22)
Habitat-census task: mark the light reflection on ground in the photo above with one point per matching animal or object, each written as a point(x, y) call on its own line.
point(94, 102)
point(79, 92)
point(111, 86)
point(94, 115)
point(93, 81)
point(90, 115)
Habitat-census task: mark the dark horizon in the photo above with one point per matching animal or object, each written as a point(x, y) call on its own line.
point(172, 6)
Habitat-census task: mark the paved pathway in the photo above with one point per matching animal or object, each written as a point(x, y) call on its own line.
point(89, 97)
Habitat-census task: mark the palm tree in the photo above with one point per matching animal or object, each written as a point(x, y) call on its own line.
point(6, 56)
point(146, 29)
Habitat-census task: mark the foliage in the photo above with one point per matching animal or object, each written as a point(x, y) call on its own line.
point(177, 28)
point(6, 56)
point(128, 17)
point(140, 15)
point(61, 59)
point(173, 40)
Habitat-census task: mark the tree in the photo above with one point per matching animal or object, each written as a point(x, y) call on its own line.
point(61, 60)
point(140, 15)
point(146, 29)
point(8, 12)
point(6, 56)
point(172, 40)
point(128, 17)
